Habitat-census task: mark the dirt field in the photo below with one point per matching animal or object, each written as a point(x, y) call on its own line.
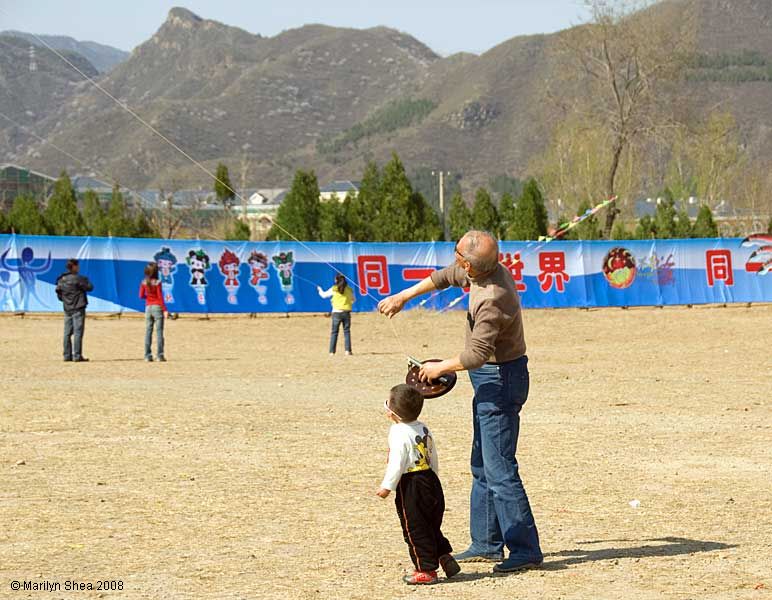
point(246, 466)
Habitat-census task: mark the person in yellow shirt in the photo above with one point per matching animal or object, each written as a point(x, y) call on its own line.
point(342, 300)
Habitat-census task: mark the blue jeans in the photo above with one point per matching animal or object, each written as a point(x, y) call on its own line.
point(154, 315)
point(74, 323)
point(500, 512)
point(337, 319)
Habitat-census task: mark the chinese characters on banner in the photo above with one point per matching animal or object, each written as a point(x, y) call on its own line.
point(373, 274)
point(719, 267)
point(552, 268)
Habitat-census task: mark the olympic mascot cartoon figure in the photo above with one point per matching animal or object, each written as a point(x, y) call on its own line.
point(167, 267)
point(198, 263)
point(28, 273)
point(229, 267)
point(284, 263)
point(258, 266)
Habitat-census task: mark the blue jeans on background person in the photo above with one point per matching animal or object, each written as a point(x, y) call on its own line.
point(74, 323)
point(500, 514)
point(154, 315)
point(339, 318)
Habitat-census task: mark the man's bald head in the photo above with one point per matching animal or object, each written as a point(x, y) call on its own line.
point(481, 250)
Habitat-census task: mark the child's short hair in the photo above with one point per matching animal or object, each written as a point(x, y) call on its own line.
point(406, 402)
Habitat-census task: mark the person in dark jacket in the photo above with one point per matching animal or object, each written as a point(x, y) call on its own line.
point(71, 288)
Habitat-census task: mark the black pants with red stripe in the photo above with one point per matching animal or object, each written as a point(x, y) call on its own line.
point(420, 506)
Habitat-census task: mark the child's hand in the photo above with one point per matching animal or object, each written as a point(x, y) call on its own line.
point(383, 492)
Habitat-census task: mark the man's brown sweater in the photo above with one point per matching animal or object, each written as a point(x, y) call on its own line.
point(494, 331)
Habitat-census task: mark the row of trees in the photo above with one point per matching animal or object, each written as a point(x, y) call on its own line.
point(388, 209)
point(62, 217)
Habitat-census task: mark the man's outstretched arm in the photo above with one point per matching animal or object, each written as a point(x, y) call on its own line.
point(393, 304)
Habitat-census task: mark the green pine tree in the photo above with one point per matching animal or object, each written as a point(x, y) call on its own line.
point(396, 217)
point(428, 227)
point(459, 217)
point(333, 220)
point(665, 216)
point(94, 216)
point(506, 213)
point(222, 187)
point(143, 228)
point(118, 222)
point(298, 215)
point(683, 226)
point(485, 217)
point(364, 209)
point(530, 218)
point(62, 213)
point(645, 228)
point(619, 232)
point(5, 226)
point(704, 225)
point(26, 218)
point(239, 231)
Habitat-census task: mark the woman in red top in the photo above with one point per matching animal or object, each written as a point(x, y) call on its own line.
point(151, 292)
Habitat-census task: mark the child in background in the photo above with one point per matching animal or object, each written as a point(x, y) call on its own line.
point(412, 474)
point(155, 307)
point(342, 303)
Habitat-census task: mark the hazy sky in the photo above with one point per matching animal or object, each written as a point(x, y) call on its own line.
point(447, 26)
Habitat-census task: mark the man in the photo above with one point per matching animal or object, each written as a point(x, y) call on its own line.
point(494, 355)
point(71, 288)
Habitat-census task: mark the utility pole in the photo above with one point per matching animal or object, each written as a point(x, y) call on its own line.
point(443, 220)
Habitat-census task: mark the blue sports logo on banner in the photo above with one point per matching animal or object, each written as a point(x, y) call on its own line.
point(252, 277)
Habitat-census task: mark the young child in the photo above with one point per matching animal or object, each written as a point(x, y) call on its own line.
point(412, 474)
point(155, 307)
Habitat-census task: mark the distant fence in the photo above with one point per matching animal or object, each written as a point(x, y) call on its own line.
point(271, 277)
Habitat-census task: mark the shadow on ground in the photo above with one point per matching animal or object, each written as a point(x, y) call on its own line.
point(648, 548)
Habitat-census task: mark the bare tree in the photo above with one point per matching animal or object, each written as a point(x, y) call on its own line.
point(170, 219)
point(621, 73)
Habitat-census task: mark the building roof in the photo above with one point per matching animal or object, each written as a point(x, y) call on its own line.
point(5, 166)
point(81, 183)
point(341, 187)
point(648, 206)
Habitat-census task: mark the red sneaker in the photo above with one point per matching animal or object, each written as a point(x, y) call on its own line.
point(421, 578)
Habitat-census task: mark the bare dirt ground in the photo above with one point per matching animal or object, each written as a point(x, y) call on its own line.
point(246, 466)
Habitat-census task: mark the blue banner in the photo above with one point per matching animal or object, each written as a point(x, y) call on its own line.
point(266, 277)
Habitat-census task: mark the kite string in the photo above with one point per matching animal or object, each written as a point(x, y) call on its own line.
point(199, 165)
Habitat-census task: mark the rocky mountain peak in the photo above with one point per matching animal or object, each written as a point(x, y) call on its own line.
point(182, 17)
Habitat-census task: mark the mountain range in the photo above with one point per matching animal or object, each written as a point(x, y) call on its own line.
point(330, 99)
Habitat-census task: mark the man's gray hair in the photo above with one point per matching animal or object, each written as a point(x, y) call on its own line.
point(481, 259)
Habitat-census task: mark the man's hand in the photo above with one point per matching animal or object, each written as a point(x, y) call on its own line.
point(430, 371)
point(392, 305)
point(383, 492)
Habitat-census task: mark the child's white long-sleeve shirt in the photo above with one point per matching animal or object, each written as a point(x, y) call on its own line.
point(411, 448)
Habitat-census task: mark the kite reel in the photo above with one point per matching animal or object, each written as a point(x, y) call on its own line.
point(428, 389)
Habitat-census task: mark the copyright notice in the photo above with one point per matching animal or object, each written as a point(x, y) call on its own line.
point(68, 585)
